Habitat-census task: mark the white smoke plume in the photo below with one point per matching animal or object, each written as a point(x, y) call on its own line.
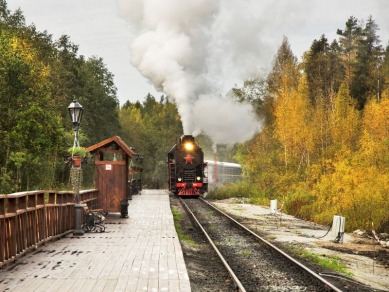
point(195, 52)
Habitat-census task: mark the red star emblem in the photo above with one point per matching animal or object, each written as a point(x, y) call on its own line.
point(188, 159)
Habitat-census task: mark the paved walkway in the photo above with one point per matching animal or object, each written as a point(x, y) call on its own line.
point(139, 253)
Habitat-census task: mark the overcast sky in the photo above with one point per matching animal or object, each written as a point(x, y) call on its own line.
point(96, 27)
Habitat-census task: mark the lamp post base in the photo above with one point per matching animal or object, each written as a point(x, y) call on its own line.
point(78, 230)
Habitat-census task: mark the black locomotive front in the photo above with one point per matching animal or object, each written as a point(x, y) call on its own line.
point(186, 168)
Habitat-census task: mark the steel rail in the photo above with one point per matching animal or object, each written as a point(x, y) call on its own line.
point(238, 284)
point(315, 275)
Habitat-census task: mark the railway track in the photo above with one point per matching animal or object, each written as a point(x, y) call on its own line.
point(253, 263)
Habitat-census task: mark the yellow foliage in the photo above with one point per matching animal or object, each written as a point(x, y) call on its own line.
point(23, 48)
point(375, 138)
point(46, 71)
point(360, 194)
point(292, 123)
point(344, 120)
point(25, 52)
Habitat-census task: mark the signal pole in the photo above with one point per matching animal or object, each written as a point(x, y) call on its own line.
point(215, 172)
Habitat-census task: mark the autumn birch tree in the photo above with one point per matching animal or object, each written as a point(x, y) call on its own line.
point(344, 121)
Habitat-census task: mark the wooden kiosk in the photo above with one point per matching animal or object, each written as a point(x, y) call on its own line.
point(113, 159)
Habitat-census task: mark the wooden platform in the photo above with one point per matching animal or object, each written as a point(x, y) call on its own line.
point(139, 253)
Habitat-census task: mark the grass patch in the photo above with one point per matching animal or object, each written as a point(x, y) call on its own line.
point(260, 201)
point(212, 227)
point(206, 213)
point(246, 252)
point(230, 241)
point(331, 263)
point(177, 218)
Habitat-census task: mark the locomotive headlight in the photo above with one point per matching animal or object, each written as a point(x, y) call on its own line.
point(198, 178)
point(179, 179)
point(189, 146)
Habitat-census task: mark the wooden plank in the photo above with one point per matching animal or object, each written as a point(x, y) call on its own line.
point(163, 285)
point(119, 162)
point(99, 285)
point(117, 267)
point(110, 285)
point(132, 285)
point(97, 269)
point(29, 285)
point(174, 285)
point(142, 285)
point(9, 284)
point(108, 267)
point(78, 285)
point(152, 285)
point(61, 285)
point(89, 284)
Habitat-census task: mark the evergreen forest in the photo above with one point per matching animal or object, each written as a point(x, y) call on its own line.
point(323, 149)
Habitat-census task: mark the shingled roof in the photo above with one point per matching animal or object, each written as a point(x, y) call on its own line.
point(109, 142)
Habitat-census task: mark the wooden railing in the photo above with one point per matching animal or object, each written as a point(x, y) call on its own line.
point(30, 219)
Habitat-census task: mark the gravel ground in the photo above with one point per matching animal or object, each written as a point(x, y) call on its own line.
point(365, 259)
point(207, 274)
point(205, 270)
point(258, 267)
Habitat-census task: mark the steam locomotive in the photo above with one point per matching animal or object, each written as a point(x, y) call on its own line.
point(186, 168)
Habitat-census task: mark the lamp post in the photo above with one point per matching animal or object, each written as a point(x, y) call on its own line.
point(76, 110)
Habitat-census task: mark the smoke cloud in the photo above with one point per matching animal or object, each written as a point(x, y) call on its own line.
point(195, 52)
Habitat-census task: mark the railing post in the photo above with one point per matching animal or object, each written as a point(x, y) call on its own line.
point(32, 219)
point(41, 217)
point(50, 213)
point(60, 212)
point(2, 229)
point(12, 226)
point(69, 209)
point(21, 213)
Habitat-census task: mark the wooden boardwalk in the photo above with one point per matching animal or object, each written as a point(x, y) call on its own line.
point(139, 253)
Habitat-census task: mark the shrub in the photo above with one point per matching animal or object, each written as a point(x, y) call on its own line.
point(239, 189)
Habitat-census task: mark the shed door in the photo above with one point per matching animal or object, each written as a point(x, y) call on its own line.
point(111, 181)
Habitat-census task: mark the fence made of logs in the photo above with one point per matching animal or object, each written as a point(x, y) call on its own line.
point(30, 219)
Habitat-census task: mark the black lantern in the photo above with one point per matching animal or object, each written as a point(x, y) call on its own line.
point(75, 110)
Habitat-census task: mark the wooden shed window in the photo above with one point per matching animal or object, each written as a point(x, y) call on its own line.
point(109, 156)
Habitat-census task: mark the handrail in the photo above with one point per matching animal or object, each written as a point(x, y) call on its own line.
point(30, 219)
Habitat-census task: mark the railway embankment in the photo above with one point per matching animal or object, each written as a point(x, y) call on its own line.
point(364, 258)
